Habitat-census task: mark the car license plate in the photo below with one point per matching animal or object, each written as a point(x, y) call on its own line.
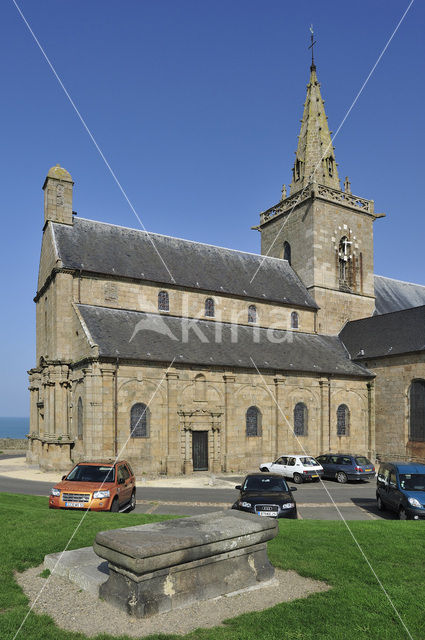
point(273, 514)
point(368, 470)
point(314, 475)
point(77, 505)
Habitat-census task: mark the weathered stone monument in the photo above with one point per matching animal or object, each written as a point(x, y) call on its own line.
point(162, 566)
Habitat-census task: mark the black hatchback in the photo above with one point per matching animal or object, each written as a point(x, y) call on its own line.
point(346, 466)
point(266, 494)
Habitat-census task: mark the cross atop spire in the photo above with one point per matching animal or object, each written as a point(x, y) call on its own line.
point(313, 42)
point(315, 158)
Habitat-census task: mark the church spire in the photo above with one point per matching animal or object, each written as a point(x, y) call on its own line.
point(315, 158)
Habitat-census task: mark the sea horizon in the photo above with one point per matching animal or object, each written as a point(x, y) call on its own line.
point(13, 427)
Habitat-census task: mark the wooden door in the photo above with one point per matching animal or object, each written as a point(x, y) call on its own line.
point(200, 450)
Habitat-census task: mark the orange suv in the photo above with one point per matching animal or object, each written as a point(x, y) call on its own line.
point(97, 486)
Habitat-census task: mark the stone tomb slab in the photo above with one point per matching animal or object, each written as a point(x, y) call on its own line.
point(158, 567)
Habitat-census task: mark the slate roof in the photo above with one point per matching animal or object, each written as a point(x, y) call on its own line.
point(111, 250)
point(137, 335)
point(395, 295)
point(385, 335)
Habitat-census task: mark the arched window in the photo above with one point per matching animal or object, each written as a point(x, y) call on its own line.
point(294, 320)
point(252, 313)
point(80, 419)
point(139, 420)
point(200, 388)
point(287, 251)
point(342, 420)
point(330, 165)
point(253, 421)
point(344, 257)
point(209, 308)
point(417, 411)
point(300, 419)
point(163, 301)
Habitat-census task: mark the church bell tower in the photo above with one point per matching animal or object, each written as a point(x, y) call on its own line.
point(325, 232)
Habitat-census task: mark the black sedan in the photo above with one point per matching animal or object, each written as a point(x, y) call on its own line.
point(266, 494)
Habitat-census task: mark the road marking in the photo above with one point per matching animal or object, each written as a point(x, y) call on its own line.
point(301, 505)
point(186, 504)
point(152, 508)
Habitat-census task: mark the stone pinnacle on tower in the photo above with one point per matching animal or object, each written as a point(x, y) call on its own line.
point(57, 189)
point(315, 158)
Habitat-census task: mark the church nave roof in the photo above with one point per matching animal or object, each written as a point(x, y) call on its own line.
point(107, 249)
point(136, 335)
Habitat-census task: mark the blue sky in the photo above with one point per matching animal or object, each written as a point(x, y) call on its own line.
point(196, 106)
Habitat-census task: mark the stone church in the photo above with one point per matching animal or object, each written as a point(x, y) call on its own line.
point(182, 356)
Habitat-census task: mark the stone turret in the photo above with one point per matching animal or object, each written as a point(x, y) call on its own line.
point(315, 158)
point(57, 189)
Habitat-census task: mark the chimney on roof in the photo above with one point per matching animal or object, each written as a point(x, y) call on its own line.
point(57, 189)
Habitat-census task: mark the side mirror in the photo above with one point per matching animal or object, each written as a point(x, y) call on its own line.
point(120, 480)
point(292, 488)
point(63, 477)
point(238, 487)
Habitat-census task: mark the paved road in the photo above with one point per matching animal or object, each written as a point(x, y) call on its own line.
point(355, 501)
point(6, 456)
point(324, 501)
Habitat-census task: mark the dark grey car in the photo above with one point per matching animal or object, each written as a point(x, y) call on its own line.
point(346, 466)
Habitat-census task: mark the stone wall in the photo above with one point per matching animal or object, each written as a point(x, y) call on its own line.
point(15, 444)
point(337, 308)
point(184, 400)
point(394, 376)
point(144, 297)
point(49, 258)
point(297, 228)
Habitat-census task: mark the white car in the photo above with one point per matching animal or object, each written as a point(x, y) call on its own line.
point(297, 467)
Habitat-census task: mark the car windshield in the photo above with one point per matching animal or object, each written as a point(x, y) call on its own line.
point(362, 460)
point(412, 481)
point(309, 462)
point(265, 483)
point(92, 473)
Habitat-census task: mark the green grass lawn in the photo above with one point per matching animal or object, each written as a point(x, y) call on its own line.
point(354, 608)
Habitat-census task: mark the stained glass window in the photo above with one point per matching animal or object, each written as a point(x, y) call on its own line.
point(253, 422)
point(252, 313)
point(139, 421)
point(163, 301)
point(417, 411)
point(300, 419)
point(209, 308)
point(80, 418)
point(342, 420)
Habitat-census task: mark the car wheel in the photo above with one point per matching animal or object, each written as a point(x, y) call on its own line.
point(380, 504)
point(402, 515)
point(132, 504)
point(297, 478)
point(264, 469)
point(115, 507)
point(341, 477)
